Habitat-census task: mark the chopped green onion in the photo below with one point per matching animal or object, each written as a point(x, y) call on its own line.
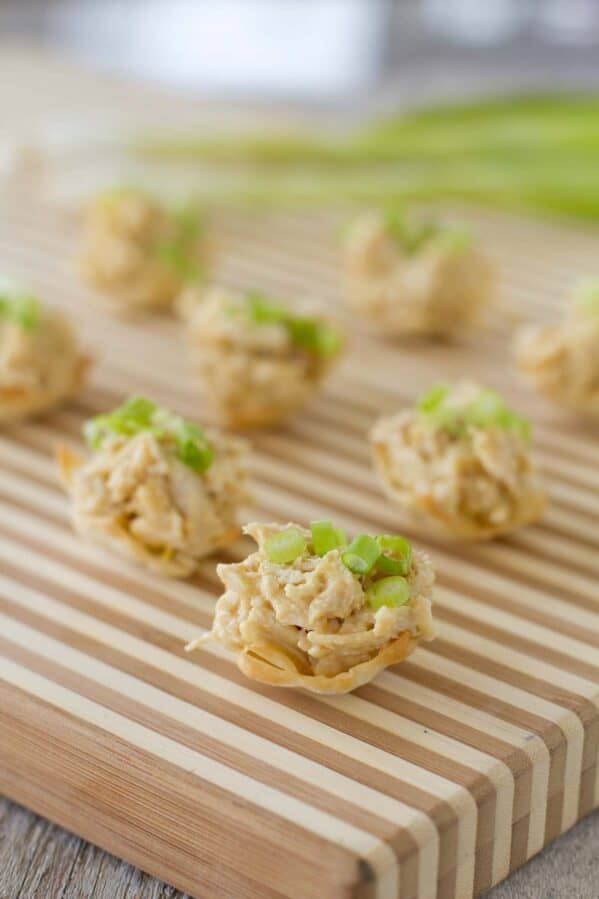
point(396, 554)
point(21, 308)
point(433, 398)
point(388, 591)
point(263, 311)
point(326, 537)
point(586, 295)
point(486, 410)
point(412, 236)
point(140, 414)
point(311, 334)
point(285, 546)
point(361, 554)
point(454, 240)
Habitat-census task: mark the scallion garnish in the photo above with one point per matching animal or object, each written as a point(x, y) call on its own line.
point(140, 414)
point(586, 295)
point(310, 334)
point(395, 554)
point(388, 591)
point(486, 410)
point(361, 554)
point(285, 546)
point(18, 306)
point(326, 537)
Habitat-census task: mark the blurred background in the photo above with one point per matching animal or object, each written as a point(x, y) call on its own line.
point(324, 51)
point(522, 76)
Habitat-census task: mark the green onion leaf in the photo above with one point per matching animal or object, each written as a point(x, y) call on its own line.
point(388, 591)
point(285, 546)
point(326, 537)
point(361, 554)
point(396, 554)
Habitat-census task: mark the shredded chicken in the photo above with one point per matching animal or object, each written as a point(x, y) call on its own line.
point(476, 484)
point(39, 366)
point(310, 618)
point(251, 373)
point(562, 361)
point(435, 291)
point(125, 252)
point(135, 494)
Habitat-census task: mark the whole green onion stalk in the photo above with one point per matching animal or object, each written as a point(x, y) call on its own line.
point(138, 415)
point(535, 152)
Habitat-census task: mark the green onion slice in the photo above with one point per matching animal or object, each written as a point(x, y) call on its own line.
point(361, 554)
point(388, 591)
point(140, 414)
point(310, 334)
point(18, 306)
point(396, 554)
point(285, 546)
point(486, 410)
point(326, 537)
point(586, 295)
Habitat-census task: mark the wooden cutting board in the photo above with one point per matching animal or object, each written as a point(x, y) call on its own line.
point(434, 781)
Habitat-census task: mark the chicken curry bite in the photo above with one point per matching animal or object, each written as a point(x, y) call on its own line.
point(409, 277)
point(257, 362)
point(138, 253)
point(561, 361)
point(40, 362)
point(460, 462)
point(157, 488)
point(309, 610)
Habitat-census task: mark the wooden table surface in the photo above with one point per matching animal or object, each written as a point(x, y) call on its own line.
point(41, 861)
point(38, 859)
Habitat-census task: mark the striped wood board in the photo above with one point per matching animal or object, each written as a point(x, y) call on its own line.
point(434, 781)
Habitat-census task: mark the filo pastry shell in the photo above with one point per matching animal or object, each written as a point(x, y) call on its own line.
point(474, 486)
point(40, 366)
point(435, 291)
point(251, 374)
point(136, 497)
point(307, 624)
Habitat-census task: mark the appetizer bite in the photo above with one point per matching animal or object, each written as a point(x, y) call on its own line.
point(40, 363)
point(137, 252)
point(460, 462)
point(309, 610)
point(414, 278)
point(157, 488)
point(257, 362)
point(562, 361)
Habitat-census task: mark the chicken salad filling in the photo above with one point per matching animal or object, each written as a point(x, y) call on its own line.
point(157, 487)
point(138, 252)
point(415, 277)
point(461, 460)
point(561, 361)
point(40, 363)
point(256, 361)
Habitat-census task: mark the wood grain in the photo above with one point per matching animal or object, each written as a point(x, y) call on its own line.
point(434, 781)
